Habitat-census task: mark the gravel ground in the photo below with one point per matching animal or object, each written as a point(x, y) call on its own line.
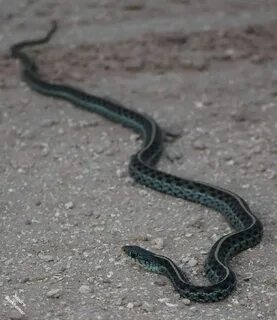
point(206, 71)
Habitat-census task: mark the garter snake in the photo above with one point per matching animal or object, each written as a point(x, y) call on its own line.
point(248, 229)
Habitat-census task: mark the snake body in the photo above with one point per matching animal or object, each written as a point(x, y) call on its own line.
point(248, 229)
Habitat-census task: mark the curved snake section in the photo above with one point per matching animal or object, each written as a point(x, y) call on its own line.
point(247, 228)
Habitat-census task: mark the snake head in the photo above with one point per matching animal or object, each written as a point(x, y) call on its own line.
point(144, 258)
point(136, 252)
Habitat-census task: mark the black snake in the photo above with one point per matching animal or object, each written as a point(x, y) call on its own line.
point(247, 228)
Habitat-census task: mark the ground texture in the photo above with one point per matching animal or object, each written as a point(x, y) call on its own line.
point(207, 72)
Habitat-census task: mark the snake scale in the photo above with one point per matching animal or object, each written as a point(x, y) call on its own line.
point(248, 229)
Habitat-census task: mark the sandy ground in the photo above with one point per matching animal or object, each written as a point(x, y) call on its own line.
point(206, 71)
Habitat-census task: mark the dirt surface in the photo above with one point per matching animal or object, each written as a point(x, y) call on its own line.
point(207, 72)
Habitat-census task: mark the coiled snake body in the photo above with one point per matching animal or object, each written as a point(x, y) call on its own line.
point(247, 228)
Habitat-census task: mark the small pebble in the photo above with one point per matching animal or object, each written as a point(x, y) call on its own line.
point(243, 302)
point(271, 175)
point(186, 301)
point(54, 293)
point(248, 276)
point(130, 305)
point(192, 262)
point(160, 283)
point(106, 280)
point(158, 243)
point(206, 101)
point(69, 205)
point(137, 304)
point(25, 279)
point(45, 151)
point(198, 63)
point(198, 145)
point(229, 53)
point(120, 301)
point(112, 151)
point(171, 305)
point(142, 192)
point(121, 173)
point(45, 257)
point(210, 315)
point(185, 259)
point(91, 123)
point(38, 203)
point(199, 104)
point(28, 222)
point(239, 116)
point(85, 289)
point(129, 181)
point(91, 213)
point(147, 307)
point(174, 154)
point(49, 123)
point(193, 309)
point(61, 131)
point(134, 138)
point(173, 132)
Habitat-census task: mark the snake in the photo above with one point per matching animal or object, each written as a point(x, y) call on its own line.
point(247, 229)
